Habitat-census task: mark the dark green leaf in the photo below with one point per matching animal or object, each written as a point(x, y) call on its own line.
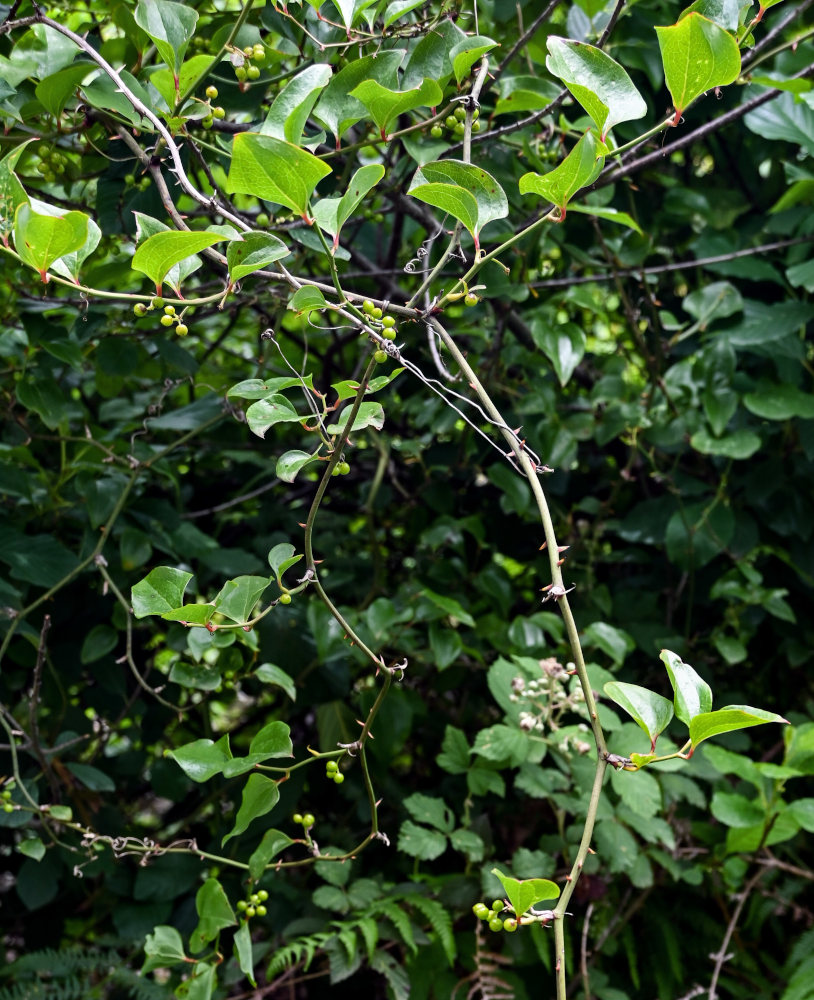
point(260, 796)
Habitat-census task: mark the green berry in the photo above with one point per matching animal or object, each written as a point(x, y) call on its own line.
point(262, 220)
point(242, 904)
point(251, 911)
point(380, 357)
point(249, 51)
point(240, 73)
point(157, 303)
point(510, 925)
point(207, 122)
point(331, 766)
point(339, 778)
point(182, 329)
point(459, 128)
point(144, 183)
point(129, 179)
point(253, 72)
point(368, 307)
point(285, 598)
point(460, 113)
point(481, 911)
point(297, 818)
point(450, 121)
point(388, 321)
point(344, 468)
point(308, 820)
point(476, 126)
point(261, 911)
point(497, 906)
point(470, 299)
point(377, 313)
point(169, 310)
point(475, 115)
point(254, 899)
point(262, 895)
point(8, 808)
point(389, 333)
point(167, 320)
point(436, 132)
point(496, 924)
point(218, 112)
point(6, 795)
point(211, 92)
point(259, 53)
point(140, 309)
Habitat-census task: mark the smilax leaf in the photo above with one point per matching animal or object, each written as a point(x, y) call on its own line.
point(161, 590)
point(523, 893)
point(648, 709)
point(578, 169)
point(466, 192)
point(277, 171)
point(157, 255)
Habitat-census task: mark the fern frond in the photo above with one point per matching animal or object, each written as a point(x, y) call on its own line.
point(439, 920)
point(392, 911)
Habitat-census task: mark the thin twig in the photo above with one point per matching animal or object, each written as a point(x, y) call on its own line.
point(721, 955)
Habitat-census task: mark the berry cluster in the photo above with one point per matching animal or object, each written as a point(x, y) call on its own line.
point(493, 917)
point(5, 796)
point(306, 821)
point(248, 68)
point(455, 123)
point(52, 163)
point(253, 906)
point(214, 112)
point(340, 469)
point(332, 771)
point(169, 317)
point(386, 324)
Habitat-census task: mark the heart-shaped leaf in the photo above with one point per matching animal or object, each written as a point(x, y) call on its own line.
point(579, 168)
point(466, 53)
point(163, 947)
point(239, 596)
point(283, 557)
point(697, 55)
point(290, 463)
point(161, 252)
point(524, 893)
point(292, 106)
point(725, 720)
point(693, 696)
point(648, 709)
point(336, 110)
point(160, 591)
point(274, 170)
point(598, 82)
point(170, 25)
point(272, 843)
point(273, 740)
point(384, 105)
point(265, 413)
point(466, 192)
point(214, 913)
point(369, 415)
point(563, 344)
point(202, 759)
point(257, 388)
point(42, 239)
point(307, 300)
point(253, 251)
point(260, 795)
point(331, 214)
point(12, 192)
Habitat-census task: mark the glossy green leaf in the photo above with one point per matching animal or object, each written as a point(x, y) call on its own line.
point(780, 402)
point(307, 300)
point(563, 345)
point(190, 614)
point(265, 413)
point(243, 951)
point(69, 264)
point(697, 55)
point(502, 743)
point(214, 913)
point(579, 168)
point(161, 252)
point(12, 192)
point(198, 676)
point(274, 170)
point(202, 759)
point(258, 388)
point(253, 251)
point(524, 893)
point(281, 558)
point(384, 104)
point(268, 673)
point(291, 462)
point(260, 796)
point(727, 719)
point(42, 239)
point(368, 415)
point(292, 106)
point(652, 712)
point(598, 82)
point(397, 9)
point(170, 25)
point(239, 596)
point(723, 12)
point(331, 214)
point(104, 93)
point(693, 695)
point(201, 985)
point(609, 215)
point(54, 91)
point(163, 947)
point(147, 226)
point(740, 444)
point(91, 777)
point(164, 82)
point(161, 590)
point(449, 606)
point(467, 52)
point(269, 847)
point(465, 191)
point(273, 741)
point(336, 109)
point(32, 847)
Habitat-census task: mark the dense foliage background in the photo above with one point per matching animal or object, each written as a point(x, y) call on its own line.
point(659, 365)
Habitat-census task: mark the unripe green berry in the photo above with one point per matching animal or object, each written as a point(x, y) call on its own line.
point(253, 72)
point(262, 220)
point(459, 129)
point(339, 778)
point(380, 357)
point(308, 820)
point(388, 321)
point(497, 906)
point(510, 925)
point(389, 333)
point(297, 818)
point(6, 795)
point(249, 51)
point(211, 92)
point(169, 310)
point(331, 766)
point(207, 122)
point(261, 911)
point(460, 113)
point(496, 924)
point(254, 899)
point(481, 911)
point(242, 904)
point(129, 179)
point(368, 307)
point(144, 183)
point(436, 132)
point(377, 313)
point(470, 299)
point(157, 303)
point(240, 73)
point(182, 329)
point(251, 911)
point(218, 112)
point(344, 468)
point(167, 320)
point(262, 895)
point(476, 126)
point(475, 115)
point(285, 598)
point(140, 309)
point(8, 808)
point(450, 121)
point(259, 53)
